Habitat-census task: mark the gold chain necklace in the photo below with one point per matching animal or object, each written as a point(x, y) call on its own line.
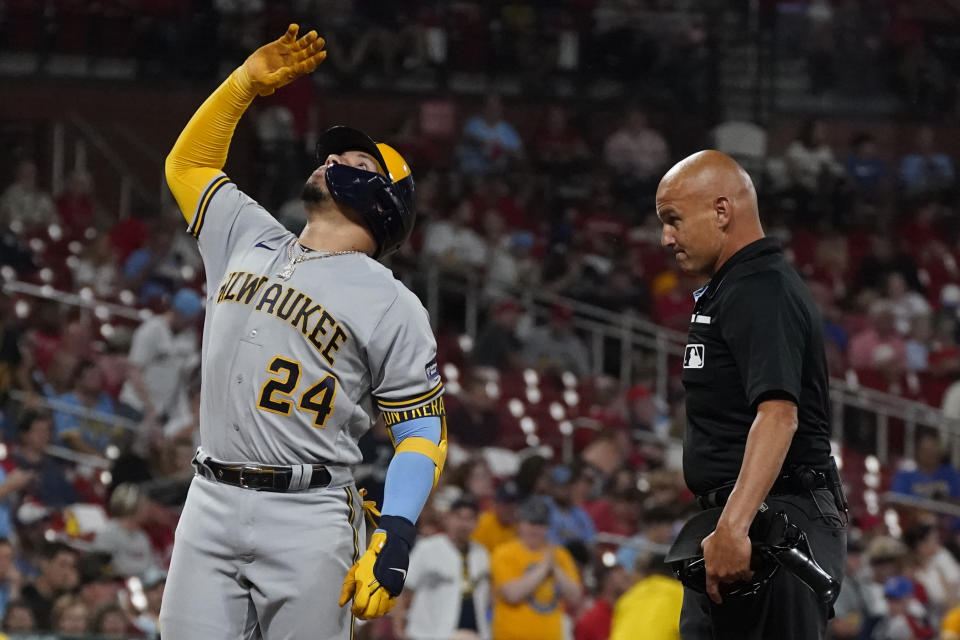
point(303, 257)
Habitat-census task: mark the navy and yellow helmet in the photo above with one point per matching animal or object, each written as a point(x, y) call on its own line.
point(385, 202)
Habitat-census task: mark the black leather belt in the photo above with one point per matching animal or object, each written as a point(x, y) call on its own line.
point(262, 477)
point(788, 483)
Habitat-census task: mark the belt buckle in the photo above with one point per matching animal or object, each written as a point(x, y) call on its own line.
point(243, 482)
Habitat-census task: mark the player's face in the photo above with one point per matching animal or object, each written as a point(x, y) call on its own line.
point(690, 229)
point(316, 187)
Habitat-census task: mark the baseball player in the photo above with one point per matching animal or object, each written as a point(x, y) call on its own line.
point(306, 342)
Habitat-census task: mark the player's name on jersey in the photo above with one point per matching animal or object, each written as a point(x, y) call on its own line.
point(286, 303)
point(432, 408)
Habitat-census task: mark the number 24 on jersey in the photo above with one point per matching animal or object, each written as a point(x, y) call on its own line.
point(276, 394)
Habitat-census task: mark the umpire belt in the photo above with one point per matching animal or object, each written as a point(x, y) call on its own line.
point(265, 477)
point(794, 482)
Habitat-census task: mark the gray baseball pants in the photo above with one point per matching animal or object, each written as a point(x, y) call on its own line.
point(256, 565)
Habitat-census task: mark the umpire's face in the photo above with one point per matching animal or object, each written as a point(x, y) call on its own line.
point(693, 226)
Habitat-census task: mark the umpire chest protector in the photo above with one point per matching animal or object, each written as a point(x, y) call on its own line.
point(755, 334)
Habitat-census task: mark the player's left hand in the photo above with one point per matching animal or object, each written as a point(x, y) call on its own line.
point(282, 61)
point(377, 579)
point(726, 558)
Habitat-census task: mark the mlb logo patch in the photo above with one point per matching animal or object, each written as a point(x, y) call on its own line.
point(433, 375)
point(693, 356)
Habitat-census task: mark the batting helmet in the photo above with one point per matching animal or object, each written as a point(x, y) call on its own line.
point(385, 202)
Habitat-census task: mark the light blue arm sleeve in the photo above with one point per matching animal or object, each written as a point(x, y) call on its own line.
point(410, 475)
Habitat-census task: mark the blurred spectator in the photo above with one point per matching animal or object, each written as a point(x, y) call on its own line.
point(70, 616)
point(25, 201)
point(852, 616)
point(58, 575)
point(882, 259)
point(10, 577)
point(887, 558)
point(97, 268)
point(652, 604)
point(472, 419)
point(951, 403)
point(452, 243)
point(277, 159)
point(85, 427)
point(497, 524)
point(926, 172)
point(489, 144)
point(554, 347)
point(932, 478)
point(532, 579)
point(122, 536)
point(905, 304)
point(153, 583)
point(473, 478)
point(162, 355)
point(934, 568)
point(99, 583)
point(569, 523)
point(637, 153)
point(19, 618)
point(616, 512)
point(76, 205)
point(447, 591)
point(497, 344)
point(904, 620)
point(11, 485)
point(510, 267)
point(879, 346)
point(153, 270)
point(918, 344)
point(559, 147)
point(48, 482)
point(111, 621)
point(864, 166)
point(944, 356)
point(594, 623)
point(815, 174)
point(14, 365)
point(657, 532)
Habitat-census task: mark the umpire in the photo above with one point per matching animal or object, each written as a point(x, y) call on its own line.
point(756, 382)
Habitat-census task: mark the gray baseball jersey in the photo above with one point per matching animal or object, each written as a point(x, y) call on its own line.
point(301, 350)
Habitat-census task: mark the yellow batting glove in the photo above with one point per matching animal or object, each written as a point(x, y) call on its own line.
point(283, 61)
point(377, 579)
point(370, 598)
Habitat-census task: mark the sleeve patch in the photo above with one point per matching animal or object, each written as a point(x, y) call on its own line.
point(432, 372)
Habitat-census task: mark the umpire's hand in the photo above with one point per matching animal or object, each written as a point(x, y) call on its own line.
point(283, 61)
point(726, 558)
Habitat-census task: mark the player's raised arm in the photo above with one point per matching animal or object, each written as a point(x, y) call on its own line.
point(200, 152)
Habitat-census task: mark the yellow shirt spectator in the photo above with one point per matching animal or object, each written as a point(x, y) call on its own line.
point(950, 627)
point(491, 533)
point(540, 615)
point(653, 604)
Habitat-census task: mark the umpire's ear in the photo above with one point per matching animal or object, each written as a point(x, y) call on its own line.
point(724, 209)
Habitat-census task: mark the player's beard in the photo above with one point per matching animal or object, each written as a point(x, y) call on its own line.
point(313, 193)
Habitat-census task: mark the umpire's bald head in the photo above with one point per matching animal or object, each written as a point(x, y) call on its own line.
point(708, 206)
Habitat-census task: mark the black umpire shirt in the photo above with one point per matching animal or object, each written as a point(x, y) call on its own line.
point(756, 334)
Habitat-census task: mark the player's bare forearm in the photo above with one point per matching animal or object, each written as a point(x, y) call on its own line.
point(767, 445)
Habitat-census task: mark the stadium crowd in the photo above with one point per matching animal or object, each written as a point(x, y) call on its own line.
point(99, 407)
